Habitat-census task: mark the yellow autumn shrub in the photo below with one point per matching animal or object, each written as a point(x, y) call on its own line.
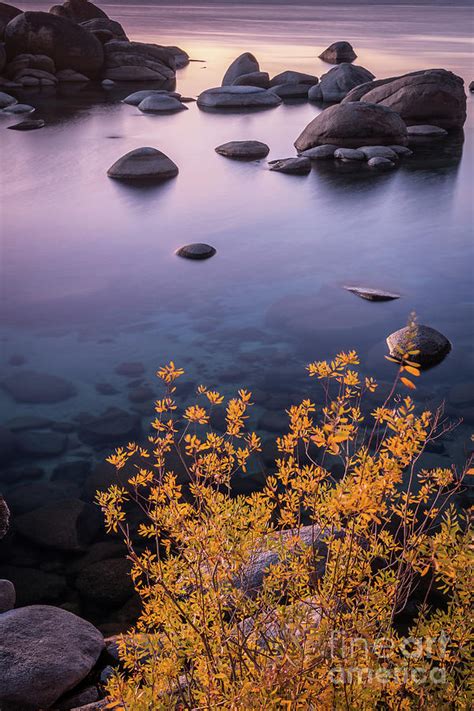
point(343, 584)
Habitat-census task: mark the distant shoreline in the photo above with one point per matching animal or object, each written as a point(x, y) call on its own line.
point(300, 3)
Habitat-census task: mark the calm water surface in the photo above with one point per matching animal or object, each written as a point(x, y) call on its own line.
point(89, 275)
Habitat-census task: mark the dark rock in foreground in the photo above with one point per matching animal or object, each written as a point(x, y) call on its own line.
point(44, 652)
point(68, 44)
point(138, 61)
point(6, 100)
point(244, 64)
point(161, 103)
point(350, 125)
point(244, 150)
point(30, 386)
point(431, 96)
point(433, 346)
point(7, 13)
point(196, 251)
point(78, 10)
point(291, 166)
point(143, 164)
point(107, 582)
point(372, 294)
point(338, 52)
point(7, 595)
point(67, 525)
point(324, 152)
point(261, 79)
point(105, 29)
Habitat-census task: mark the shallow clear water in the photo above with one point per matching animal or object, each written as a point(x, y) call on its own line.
point(89, 274)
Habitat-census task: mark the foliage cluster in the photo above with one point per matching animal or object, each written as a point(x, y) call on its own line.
point(343, 584)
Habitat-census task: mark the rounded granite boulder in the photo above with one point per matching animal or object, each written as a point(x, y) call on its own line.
point(244, 150)
point(68, 44)
point(350, 125)
point(433, 347)
point(44, 652)
point(143, 164)
point(338, 82)
point(161, 104)
point(7, 13)
point(246, 63)
point(338, 52)
point(238, 97)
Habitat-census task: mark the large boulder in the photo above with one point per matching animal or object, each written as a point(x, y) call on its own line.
point(431, 96)
point(338, 52)
point(245, 64)
point(78, 10)
point(352, 125)
point(106, 582)
point(291, 77)
point(137, 61)
point(140, 164)
point(338, 82)
point(261, 79)
point(431, 345)
point(7, 13)
point(44, 652)
point(100, 25)
point(237, 97)
point(69, 45)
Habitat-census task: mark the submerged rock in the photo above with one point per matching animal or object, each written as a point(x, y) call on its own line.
point(431, 96)
point(32, 387)
point(196, 251)
point(29, 125)
point(68, 44)
point(244, 150)
point(45, 651)
point(338, 82)
point(244, 64)
point(380, 163)
point(433, 347)
point(401, 151)
point(293, 166)
point(238, 97)
point(161, 103)
point(67, 525)
point(69, 75)
point(350, 125)
point(380, 152)
point(115, 426)
point(143, 164)
point(338, 52)
point(372, 294)
point(106, 582)
point(41, 444)
point(426, 131)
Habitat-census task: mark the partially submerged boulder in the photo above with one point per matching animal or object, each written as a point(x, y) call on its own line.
point(138, 61)
point(291, 77)
point(350, 125)
point(68, 44)
point(136, 98)
point(44, 652)
point(7, 100)
point(161, 103)
point(291, 166)
point(291, 91)
point(197, 250)
point(246, 63)
point(35, 387)
point(433, 347)
point(143, 164)
point(261, 79)
point(238, 97)
point(243, 150)
point(338, 82)
point(371, 294)
point(431, 96)
point(338, 52)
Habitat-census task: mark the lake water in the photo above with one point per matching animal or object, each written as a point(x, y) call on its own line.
point(89, 275)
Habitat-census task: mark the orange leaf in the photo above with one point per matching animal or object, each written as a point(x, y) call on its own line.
point(392, 360)
point(408, 383)
point(411, 370)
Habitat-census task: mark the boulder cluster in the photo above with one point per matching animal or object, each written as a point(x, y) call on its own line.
point(77, 42)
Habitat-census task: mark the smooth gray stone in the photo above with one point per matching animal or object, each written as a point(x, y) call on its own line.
point(246, 63)
point(237, 97)
point(6, 100)
point(380, 163)
point(292, 166)
point(379, 152)
point(350, 125)
point(338, 82)
point(291, 91)
point(7, 595)
point(338, 52)
point(426, 131)
point(372, 294)
point(320, 152)
point(433, 346)
point(196, 251)
point(19, 109)
point(402, 151)
point(261, 79)
point(143, 164)
point(28, 125)
point(161, 103)
point(291, 77)
point(137, 97)
point(45, 652)
point(349, 154)
point(244, 150)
